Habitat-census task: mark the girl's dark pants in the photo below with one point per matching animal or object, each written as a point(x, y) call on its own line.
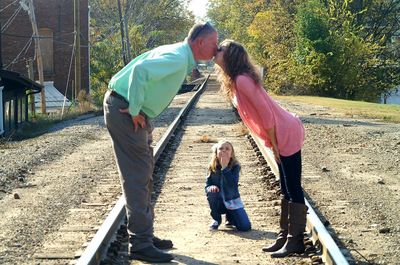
point(238, 217)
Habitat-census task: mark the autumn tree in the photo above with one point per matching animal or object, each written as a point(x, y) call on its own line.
point(335, 48)
point(147, 24)
point(233, 17)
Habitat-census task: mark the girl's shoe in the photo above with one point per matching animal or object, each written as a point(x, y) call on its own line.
point(214, 226)
point(228, 224)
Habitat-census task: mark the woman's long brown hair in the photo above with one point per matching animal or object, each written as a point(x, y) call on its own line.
point(236, 61)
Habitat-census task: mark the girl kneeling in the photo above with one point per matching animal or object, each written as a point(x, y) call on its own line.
point(222, 188)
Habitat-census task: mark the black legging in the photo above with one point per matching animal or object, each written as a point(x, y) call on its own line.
point(290, 177)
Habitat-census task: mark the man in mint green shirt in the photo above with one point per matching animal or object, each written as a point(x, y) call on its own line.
point(139, 92)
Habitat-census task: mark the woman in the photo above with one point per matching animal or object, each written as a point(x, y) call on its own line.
point(279, 129)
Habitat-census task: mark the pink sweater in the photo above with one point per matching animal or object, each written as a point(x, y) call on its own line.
point(260, 113)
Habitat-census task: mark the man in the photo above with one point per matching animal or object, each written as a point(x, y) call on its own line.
point(138, 93)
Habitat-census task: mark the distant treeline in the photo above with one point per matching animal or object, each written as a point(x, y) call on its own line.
point(335, 48)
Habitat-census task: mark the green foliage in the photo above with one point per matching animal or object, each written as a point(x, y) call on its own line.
point(105, 61)
point(273, 40)
point(150, 23)
point(313, 25)
point(335, 48)
point(314, 48)
point(343, 62)
point(232, 17)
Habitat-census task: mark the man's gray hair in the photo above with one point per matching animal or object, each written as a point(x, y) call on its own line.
point(200, 30)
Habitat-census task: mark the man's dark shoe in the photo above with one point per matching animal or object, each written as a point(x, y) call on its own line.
point(162, 243)
point(151, 254)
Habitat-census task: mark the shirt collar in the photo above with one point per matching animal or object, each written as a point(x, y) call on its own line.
point(192, 62)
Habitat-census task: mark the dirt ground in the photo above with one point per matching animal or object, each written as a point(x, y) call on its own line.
point(43, 181)
point(351, 172)
point(181, 209)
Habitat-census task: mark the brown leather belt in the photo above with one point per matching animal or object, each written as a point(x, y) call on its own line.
point(116, 95)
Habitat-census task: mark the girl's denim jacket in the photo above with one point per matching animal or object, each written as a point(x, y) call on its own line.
point(226, 180)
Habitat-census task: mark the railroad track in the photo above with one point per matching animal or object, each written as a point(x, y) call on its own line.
point(67, 243)
point(181, 209)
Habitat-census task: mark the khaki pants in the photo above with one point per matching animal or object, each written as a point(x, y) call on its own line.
point(135, 162)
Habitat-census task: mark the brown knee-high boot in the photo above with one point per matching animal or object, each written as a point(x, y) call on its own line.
point(283, 223)
point(297, 225)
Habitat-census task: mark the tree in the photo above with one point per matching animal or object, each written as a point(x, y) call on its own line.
point(148, 23)
point(271, 46)
point(233, 17)
point(348, 62)
point(335, 48)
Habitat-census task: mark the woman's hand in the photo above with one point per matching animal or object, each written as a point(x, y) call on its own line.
point(276, 155)
point(213, 188)
point(274, 144)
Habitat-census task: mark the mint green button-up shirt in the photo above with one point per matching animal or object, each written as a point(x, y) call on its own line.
point(151, 80)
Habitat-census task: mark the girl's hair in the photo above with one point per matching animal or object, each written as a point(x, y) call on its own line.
point(214, 162)
point(236, 61)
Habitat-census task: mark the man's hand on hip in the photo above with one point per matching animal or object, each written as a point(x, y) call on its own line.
point(137, 120)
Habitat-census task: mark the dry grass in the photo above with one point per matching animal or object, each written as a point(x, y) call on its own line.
point(205, 139)
point(383, 112)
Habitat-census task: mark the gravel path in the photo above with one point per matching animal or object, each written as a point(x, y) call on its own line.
point(352, 172)
point(43, 177)
point(351, 169)
point(182, 211)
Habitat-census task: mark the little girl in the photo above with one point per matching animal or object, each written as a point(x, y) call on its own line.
point(222, 188)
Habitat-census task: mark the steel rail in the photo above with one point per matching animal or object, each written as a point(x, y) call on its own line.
point(94, 252)
point(331, 253)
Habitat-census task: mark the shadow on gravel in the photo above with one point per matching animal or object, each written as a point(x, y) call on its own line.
point(164, 161)
point(253, 234)
point(349, 123)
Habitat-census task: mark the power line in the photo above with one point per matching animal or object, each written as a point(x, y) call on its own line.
point(11, 19)
point(25, 48)
point(1, 10)
point(43, 37)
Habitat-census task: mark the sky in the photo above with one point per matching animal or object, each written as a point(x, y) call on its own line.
point(198, 7)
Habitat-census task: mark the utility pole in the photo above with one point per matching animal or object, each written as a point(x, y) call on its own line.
point(121, 23)
point(38, 52)
point(29, 66)
point(77, 27)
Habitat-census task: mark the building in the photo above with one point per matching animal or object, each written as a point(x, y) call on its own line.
point(14, 92)
point(55, 22)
